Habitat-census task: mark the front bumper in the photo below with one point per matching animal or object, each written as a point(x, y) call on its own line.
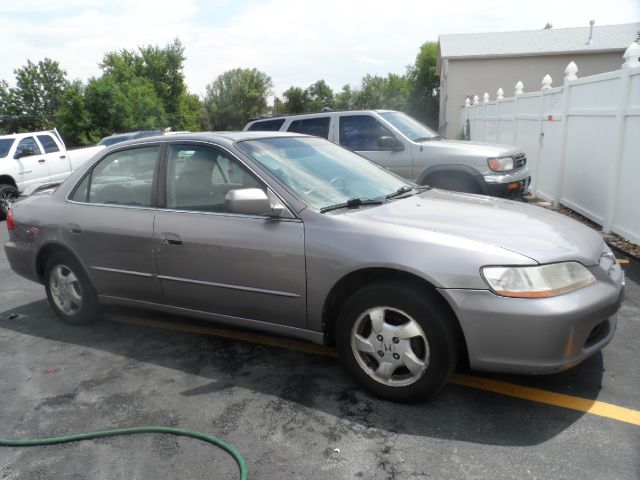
point(541, 335)
point(508, 185)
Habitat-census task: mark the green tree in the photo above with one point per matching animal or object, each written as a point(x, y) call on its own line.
point(108, 106)
point(72, 118)
point(424, 98)
point(390, 92)
point(237, 96)
point(296, 100)
point(344, 100)
point(162, 69)
point(320, 96)
point(38, 94)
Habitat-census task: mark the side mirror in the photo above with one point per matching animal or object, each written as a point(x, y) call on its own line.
point(248, 201)
point(390, 143)
point(25, 152)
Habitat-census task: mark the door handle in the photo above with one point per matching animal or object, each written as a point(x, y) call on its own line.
point(63, 156)
point(172, 239)
point(74, 228)
point(42, 160)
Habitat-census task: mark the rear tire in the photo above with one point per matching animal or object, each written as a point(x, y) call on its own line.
point(8, 195)
point(398, 341)
point(70, 293)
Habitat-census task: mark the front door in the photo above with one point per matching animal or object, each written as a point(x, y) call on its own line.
point(212, 260)
point(32, 164)
point(361, 133)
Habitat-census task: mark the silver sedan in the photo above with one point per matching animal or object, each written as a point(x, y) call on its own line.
point(296, 236)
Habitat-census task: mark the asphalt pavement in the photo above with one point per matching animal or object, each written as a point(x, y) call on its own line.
point(291, 410)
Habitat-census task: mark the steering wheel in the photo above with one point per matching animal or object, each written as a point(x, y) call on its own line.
point(338, 182)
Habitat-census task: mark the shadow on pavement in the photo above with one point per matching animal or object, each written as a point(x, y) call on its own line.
point(319, 383)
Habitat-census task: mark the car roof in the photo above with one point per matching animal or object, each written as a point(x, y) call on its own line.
point(24, 134)
point(225, 138)
point(312, 114)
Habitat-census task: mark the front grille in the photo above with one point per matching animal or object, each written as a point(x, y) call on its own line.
point(520, 160)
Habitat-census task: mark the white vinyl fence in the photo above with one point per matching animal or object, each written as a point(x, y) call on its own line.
point(582, 140)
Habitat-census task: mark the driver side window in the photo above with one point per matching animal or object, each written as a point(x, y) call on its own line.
point(27, 147)
point(199, 178)
point(362, 132)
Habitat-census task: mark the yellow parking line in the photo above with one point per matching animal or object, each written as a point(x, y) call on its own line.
point(623, 261)
point(594, 407)
point(586, 405)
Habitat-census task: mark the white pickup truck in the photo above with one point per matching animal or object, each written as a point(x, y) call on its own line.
point(30, 159)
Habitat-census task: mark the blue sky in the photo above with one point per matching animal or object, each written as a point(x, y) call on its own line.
point(296, 42)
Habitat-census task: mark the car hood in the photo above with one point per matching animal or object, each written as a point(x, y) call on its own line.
point(528, 230)
point(484, 150)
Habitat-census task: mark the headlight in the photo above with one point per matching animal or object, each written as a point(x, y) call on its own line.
point(501, 164)
point(538, 281)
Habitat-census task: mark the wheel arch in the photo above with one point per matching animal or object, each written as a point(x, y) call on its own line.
point(464, 171)
point(8, 180)
point(353, 281)
point(49, 249)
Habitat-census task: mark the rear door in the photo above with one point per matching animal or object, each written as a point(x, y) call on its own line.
point(212, 260)
point(59, 166)
point(110, 224)
point(361, 133)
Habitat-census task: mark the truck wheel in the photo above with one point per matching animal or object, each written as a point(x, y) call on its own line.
point(398, 341)
point(8, 195)
point(456, 183)
point(69, 290)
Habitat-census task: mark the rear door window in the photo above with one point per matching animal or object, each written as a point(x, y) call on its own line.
point(266, 125)
point(122, 178)
point(361, 133)
point(318, 127)
point(48, 144)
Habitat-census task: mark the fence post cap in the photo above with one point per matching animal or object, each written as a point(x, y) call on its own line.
point(546, 82)
point(519, 88)
point(475, 99)
point(500, 94)
point(485, 97)
point(467, 102)
point(570, 72)
point(631, 55)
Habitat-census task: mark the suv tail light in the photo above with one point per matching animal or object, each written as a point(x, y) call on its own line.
point(10, 224)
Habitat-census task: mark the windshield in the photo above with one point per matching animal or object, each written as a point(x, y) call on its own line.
point(5, 146)
point(409, 126)
point(321, 173)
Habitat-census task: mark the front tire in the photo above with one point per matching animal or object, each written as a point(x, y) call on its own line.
point(69, 290)
point(8, 195)
point(398, 341)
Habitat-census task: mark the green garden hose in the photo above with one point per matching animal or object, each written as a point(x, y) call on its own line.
point(242, 464)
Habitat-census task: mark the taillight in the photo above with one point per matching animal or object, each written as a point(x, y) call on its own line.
point(10, 224)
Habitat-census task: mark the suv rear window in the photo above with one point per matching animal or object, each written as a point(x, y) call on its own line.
point(266, 125)
point(318, 126)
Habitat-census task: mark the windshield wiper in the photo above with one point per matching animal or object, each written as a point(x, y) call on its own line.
point(424, 139)
point(402, 190)
point(351, 203)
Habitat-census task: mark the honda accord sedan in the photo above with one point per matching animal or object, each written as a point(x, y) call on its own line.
point(296, 236)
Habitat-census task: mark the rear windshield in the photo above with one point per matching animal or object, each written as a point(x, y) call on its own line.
point(107, 141)
point(266, 125)
point(5, 146)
